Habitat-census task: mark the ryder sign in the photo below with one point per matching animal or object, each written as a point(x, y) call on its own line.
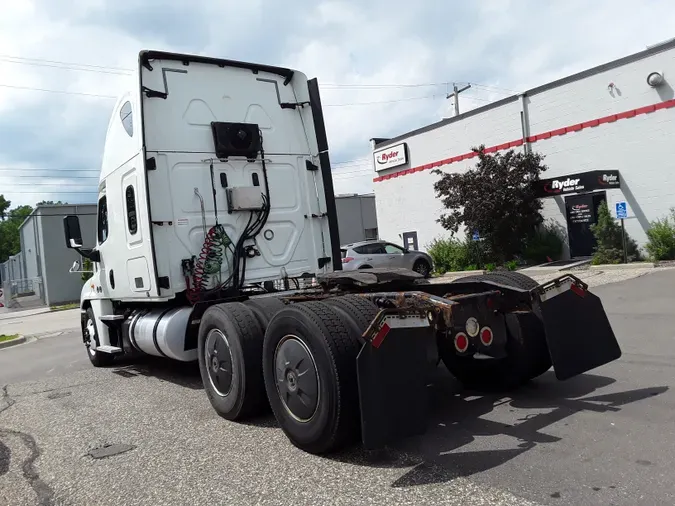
point(393, 156)
point(582, 182)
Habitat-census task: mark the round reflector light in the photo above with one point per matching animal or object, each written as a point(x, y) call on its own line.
point(461, 342)
point(472, 327)
point(486, 336)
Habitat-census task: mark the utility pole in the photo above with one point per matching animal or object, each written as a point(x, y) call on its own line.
point(455, 93)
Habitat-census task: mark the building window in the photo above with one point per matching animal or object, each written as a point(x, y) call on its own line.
point(127, 118)
point(102, 219)
point(132, 222)
point(371, 234)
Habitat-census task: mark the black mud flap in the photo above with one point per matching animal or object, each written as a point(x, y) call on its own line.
point(394, 368)
point(578, 332)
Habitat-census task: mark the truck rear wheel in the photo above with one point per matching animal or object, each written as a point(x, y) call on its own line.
point(229, 350)
point(359, 311)
point(527, 353)
point(309, 365)
point(265, 308)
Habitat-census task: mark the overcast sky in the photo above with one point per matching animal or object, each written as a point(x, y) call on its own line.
point(358, 50)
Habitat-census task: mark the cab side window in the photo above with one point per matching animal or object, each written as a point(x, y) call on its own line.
point(102, 225)
point(127, 118)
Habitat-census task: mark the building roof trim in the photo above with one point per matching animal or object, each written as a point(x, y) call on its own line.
point(593, 123)
point(625, 60)
point(35, 212)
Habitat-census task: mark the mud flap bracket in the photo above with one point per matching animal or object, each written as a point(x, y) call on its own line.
point(393, 369)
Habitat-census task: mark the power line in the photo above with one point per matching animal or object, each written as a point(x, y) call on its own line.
point(383, 101)
point(380, 86)
point(70, 64)
point(43, 177)
point(51, 192)
point(51, 184)
point(63, 92)
point(489, 87)
point(36, 64)
point(62, 214)
point(48, 169)
point(126, 71)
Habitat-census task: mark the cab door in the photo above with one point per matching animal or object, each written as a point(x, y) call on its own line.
point(104, 246)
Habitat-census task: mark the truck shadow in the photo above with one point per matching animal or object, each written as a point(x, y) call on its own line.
point(515, 424)
point(180, 373)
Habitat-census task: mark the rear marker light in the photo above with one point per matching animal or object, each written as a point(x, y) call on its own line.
point(381, 334)
point(579, 291)
point(486, 336)
point(461, 342)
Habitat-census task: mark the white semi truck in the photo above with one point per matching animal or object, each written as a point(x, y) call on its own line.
point(215, 183)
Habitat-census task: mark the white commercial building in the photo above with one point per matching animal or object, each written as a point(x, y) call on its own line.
point(607, 133)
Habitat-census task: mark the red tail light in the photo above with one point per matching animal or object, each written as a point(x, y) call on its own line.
point(461, 342)
point(486, 336)
point(346, 260)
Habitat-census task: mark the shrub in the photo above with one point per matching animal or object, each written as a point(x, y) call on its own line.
point(661, 238)
point(511, 265)
point(547, 242)
point(607, 232)
point(448, 254)
point(451, 254)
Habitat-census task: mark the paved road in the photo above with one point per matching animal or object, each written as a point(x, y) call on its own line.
point(28, 323)
point(48, 357)
point(602, 438)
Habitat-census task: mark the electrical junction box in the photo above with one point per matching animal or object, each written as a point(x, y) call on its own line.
point(244, 198)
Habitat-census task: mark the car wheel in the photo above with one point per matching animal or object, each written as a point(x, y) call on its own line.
point(422, 267)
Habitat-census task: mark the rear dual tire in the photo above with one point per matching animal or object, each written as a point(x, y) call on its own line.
point(526, 358)
point(309, 366)
point(229, 349)
point(303, 366)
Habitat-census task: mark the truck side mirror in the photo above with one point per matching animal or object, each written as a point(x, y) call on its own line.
point(71, 227)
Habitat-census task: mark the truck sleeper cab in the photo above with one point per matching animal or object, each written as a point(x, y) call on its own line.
point(215, 182)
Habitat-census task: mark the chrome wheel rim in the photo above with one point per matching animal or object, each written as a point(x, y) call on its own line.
point(218, 362)
point(297, 378)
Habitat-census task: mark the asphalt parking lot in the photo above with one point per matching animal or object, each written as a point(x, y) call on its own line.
point(605, 437)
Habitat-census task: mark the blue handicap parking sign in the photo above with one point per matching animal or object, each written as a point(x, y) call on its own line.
point(621, 210)
point(476, 236)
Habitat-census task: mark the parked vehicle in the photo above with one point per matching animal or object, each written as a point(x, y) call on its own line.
point(216, 180)
point(369, 254)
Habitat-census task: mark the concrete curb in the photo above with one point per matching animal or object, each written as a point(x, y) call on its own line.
point(620, 267)
point(22, 314)
point(454, 274)
point(12, 342)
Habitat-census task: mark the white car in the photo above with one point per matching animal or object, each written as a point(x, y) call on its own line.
point(369, 254)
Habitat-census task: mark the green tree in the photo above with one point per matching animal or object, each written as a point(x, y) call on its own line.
point(50, 203)
point(10, 242)
point(497, 199)
point(4, 206)
point(607, 232)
